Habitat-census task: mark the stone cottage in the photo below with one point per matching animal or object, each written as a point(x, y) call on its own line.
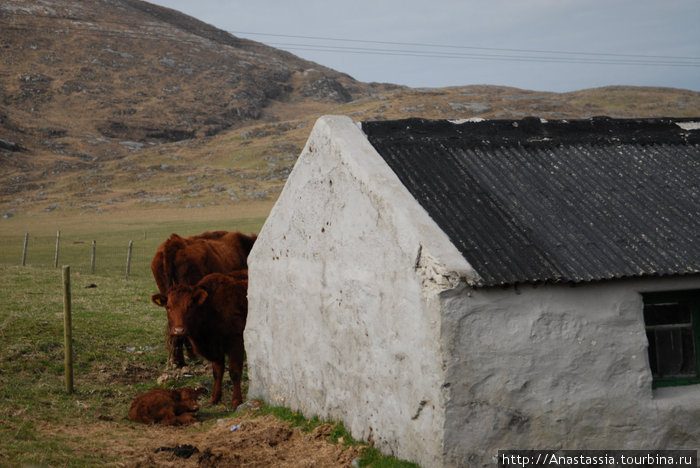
point(451, 289)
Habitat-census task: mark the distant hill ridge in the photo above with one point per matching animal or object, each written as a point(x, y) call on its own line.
point(97, 99)
point(142, 71)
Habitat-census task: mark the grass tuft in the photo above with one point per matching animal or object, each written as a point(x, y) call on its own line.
point(371, 457)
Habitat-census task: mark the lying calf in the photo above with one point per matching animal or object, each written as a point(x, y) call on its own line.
point(169, 407)
point(212, 315)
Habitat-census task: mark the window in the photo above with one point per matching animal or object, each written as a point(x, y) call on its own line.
point(672, 322)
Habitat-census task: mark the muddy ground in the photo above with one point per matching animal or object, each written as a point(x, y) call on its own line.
point(257, 441)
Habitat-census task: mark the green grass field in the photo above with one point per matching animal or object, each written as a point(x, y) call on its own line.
point(112, 235)
point(118, 343)
point(118, 351)
point(118, 334)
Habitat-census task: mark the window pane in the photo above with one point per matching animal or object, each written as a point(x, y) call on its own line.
point(666, 314)
point(674, 351)
point(689, 366)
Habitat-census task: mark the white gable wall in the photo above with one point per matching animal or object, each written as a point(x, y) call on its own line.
point(344, 319)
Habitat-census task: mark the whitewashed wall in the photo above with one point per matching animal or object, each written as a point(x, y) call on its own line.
point(344, 320)
point(553, 367)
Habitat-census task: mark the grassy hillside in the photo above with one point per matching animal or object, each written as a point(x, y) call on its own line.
point(249, 165)
point(123, 106)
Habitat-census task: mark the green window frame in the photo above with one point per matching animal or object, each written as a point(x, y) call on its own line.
point(672, 322)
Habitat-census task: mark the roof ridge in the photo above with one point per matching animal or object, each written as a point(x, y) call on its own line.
point(533, 131)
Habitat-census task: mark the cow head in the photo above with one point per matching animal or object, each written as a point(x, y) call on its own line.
point(180, 302)
point(186, 398)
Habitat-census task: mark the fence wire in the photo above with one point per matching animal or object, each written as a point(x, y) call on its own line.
point(110, 255)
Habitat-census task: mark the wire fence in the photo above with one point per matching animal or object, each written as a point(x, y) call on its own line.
point(128, 258)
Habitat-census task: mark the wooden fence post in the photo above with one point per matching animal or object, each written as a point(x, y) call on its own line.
point(67, 329)
point(128, 259)
point(24, 250)
point(58, 244)
point(92, 259)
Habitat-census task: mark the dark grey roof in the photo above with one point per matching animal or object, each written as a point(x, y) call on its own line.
point(557, 201)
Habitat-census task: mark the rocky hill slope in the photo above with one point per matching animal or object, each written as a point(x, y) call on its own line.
point(110, 104)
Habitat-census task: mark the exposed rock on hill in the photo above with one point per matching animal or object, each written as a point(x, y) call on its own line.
point(121, 103)
point(129, 70)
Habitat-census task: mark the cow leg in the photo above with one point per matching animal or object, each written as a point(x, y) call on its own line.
point(187, 417)
point(235, 369)
point(190, 352)
point(175, 350)
point(178, 354)
point(217, 368)
point(168, 417)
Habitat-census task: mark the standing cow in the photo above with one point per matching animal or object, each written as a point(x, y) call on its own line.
point(212, 316)
point(186, 260)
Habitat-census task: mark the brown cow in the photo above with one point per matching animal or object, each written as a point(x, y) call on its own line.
point(169, 407)
point(212, 315)
point(181, 260)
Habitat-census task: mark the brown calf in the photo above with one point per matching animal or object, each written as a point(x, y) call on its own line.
point(169, 407)
point(212, 315)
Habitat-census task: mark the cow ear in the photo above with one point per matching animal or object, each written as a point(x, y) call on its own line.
point(200, 296)
point(160, 299)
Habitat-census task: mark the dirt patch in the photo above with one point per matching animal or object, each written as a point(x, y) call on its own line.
point(126, 373)
point(245, 441)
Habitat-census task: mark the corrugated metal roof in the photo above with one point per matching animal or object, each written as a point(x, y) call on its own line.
point(558, 201)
